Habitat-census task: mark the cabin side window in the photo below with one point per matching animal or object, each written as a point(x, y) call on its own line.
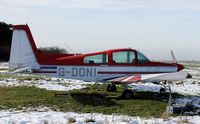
point(96, 59)
point(124, 57)
point(142, 58)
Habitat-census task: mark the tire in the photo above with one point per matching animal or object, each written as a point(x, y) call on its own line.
point(111, 88)
point(127, 94)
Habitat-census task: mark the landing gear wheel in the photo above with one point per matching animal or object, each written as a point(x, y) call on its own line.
point(127, 94)
point(162, 91)
point(111, 88)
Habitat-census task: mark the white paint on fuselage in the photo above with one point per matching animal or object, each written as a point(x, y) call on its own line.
point(94, 73)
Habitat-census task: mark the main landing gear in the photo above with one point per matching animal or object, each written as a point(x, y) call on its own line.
point(126, 94)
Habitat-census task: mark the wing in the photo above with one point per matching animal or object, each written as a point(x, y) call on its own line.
point(150, 77)
point(126, 79)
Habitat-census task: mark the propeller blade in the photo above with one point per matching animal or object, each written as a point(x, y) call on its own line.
point(173, 57)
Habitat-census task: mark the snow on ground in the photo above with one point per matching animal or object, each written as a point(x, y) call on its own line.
point(194, 100)
point(151, 87)
point(51, 117)
point(4, 65)
point(57, 84)
point(188, 87)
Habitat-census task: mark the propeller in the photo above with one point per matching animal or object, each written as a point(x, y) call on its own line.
point(173, 57)
point(174, 61)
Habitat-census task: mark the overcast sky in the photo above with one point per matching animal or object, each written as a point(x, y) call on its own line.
point(152, 26)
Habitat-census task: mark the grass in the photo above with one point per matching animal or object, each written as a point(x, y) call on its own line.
point(88, 100)
point(19, 77)
point(192, 66)
point(3, 69)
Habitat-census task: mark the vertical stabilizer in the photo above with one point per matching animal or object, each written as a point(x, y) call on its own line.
point(22, 54)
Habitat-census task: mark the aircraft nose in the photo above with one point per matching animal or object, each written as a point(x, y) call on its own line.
point(180, 67)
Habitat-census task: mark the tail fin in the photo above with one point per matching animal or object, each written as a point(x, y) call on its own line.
point(22, 53)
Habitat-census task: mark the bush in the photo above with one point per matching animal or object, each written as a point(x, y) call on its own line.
point(52, 50)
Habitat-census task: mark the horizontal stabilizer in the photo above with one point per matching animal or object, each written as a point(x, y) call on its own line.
point(26, 69)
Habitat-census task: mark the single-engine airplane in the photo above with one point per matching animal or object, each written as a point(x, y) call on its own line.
point(116, 66)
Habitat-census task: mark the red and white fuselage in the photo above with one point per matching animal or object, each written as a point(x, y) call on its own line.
point(110, 65)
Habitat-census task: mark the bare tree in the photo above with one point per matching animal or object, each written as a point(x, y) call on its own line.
point(52, 50)
point(6, 39)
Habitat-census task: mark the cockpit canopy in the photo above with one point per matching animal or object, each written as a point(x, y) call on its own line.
point(128, 56)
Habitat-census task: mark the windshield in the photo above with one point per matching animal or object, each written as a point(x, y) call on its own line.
point(142, 58)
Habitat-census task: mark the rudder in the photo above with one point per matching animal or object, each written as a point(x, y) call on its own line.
point(22, 54)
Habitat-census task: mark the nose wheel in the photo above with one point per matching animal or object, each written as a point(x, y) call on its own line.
point(111, 88)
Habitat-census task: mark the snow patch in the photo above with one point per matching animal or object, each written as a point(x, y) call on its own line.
point(147, 87)
point(194, 100)
point(52, 117)
point(4, 65)
point(188, 87)
point(57, 84)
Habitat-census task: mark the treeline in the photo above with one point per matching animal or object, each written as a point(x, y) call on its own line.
point(52, 50)
point(6, 39)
